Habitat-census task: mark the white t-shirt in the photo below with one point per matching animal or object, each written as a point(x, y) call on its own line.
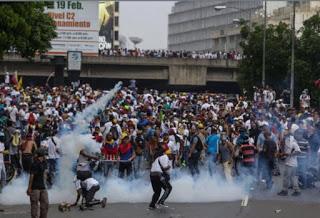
point(13, 114)
point(89, 183)
point(1, 154)
point(165, 162)
point(53, 149)
point(291, 146)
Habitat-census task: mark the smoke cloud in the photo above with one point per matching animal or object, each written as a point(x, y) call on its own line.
point(185, 188)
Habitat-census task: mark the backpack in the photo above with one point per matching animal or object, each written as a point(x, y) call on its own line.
point(15, 140)
point(114, 132)
point(31, 119)
point(199, 145)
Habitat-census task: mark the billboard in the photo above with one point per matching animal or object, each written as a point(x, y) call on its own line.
point(77, 25)
point(106, 24)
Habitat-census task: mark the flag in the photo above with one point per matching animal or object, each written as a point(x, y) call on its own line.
point(19, 85)
point(14, 78)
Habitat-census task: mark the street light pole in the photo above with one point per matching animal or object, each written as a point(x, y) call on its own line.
point(292, 54)
point(264, 45)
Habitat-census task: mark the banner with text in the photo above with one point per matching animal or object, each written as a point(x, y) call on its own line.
point(77, 25)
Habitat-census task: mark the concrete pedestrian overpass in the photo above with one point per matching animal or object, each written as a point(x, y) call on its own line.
point(176, 71)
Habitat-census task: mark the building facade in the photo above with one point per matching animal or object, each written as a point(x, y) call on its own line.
point(201, 25)
point(109, 24)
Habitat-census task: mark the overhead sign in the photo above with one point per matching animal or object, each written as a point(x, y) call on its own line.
point(74, 60)
point(77, 25)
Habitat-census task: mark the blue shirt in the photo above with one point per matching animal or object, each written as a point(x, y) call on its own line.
point(213, 142)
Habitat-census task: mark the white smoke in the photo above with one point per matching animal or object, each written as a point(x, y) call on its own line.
point(185, 188)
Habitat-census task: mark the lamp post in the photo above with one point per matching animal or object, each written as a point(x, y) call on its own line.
point(293, 29)
point(222, 7)
point(263, 82)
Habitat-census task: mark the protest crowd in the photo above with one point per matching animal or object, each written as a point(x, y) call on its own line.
point(200, 131)
point(216, 55)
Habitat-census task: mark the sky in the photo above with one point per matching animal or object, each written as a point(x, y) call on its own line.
point(147, 20)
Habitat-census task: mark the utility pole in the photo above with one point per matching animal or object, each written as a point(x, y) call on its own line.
point(293, 35)
point(264, 45)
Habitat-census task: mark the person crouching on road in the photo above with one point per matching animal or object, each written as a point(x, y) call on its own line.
point(37, 188)
point(160, 178)
point(88, 188)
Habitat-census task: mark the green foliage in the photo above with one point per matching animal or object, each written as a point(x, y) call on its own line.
point(278, 56)
point(26, 28)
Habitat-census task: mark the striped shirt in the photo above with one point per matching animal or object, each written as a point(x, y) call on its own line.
point(248, 152)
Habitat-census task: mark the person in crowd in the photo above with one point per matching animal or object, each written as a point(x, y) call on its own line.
point(37, 187)
point(196, 148)
point(14, 150)
point(291, 150)
point(28, 148)
point(2, 166)
point(54, 154)
point(268, 157)
point(126, 156)
point(226, 153)
point(139, 146)
point(212, 143)
point(110, 151)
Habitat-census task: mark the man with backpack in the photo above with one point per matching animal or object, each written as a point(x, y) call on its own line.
point(196, 148)
point(268, 158)
point(114, 128)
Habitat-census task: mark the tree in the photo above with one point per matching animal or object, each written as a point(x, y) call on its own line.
point(277, 55)
point(26, 28)
point(308, 54)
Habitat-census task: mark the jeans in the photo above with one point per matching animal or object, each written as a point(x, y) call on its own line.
point(37, 196)
point(302, 170)
point(158, 184)
point(52, 168)
point(15, 160)
point(107, 167)
point(212, 159)
point(89, 195)
point(125, 166)
point(227, 169)
point(290, 176)
point(2, 175)
point(194, 163)
point(27, 162)
point(137, 165)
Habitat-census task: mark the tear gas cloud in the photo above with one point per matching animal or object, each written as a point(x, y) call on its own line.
point(185, 188)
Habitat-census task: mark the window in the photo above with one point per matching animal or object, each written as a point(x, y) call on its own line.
point(116, 21)
point(116, 35)
point(116, 6)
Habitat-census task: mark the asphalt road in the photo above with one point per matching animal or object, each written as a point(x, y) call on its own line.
point(254, 209)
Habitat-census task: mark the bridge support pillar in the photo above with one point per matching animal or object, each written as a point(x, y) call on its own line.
point(59, 64)
point(187, 75)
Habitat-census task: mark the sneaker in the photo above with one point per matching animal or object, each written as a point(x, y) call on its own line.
point(296, 193)
point(163, 205)
point(104, 202)
point(152, 208)
point(283, 193)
